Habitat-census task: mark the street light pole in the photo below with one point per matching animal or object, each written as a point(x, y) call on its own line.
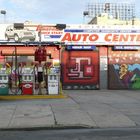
point(85, 13)
point(3, 12)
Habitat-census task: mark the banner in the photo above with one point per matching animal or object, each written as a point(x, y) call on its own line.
point(71, 35)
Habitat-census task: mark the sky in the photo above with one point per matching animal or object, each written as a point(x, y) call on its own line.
point(50, 11)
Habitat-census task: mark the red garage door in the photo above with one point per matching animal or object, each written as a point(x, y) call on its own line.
point(80, 69)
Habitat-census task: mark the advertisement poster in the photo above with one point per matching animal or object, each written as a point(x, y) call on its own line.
point(20, 32)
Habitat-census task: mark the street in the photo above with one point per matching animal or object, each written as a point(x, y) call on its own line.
point(73, 134)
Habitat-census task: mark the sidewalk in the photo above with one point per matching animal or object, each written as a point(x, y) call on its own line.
point(82, 108)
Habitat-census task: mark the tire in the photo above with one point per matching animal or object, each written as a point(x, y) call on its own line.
point(6, 37)
point(16, 38)
point(32, 40)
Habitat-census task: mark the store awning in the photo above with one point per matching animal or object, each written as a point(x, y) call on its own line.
point(19, 50)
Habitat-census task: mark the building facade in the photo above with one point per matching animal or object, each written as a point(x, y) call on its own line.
point(90, 56)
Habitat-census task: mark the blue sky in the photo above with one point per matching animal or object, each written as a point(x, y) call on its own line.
point(50, 11)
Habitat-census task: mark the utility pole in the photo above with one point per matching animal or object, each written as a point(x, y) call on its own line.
point(39, 34)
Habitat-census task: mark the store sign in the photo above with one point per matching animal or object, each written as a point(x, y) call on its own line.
point(18, 32)
point(72, 35)
point(102, 38)
point(126, 47)
point(81, 47)
point(49, 33)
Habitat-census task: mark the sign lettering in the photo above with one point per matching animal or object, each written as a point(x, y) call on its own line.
point(102, 38)
point(80, 37)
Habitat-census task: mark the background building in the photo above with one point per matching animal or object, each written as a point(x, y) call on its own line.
point(106, 19)
point(111, 14)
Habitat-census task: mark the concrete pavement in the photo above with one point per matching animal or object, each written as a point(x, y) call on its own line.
point(82, 108)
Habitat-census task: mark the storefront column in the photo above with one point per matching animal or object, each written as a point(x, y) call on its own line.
point(103, 67)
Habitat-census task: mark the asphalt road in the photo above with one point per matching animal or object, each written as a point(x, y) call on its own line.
point(73, 134)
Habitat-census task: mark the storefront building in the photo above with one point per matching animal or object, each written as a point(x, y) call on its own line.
point(90, 56)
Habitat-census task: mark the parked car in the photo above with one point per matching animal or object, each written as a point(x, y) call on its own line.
point(19, 33)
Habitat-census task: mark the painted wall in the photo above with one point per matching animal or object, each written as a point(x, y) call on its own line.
point(80, 69)
point(124, 69)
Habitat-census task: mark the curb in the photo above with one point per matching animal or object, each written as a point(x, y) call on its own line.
point(56, 127)
point(96, 130)
point(23, 97)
